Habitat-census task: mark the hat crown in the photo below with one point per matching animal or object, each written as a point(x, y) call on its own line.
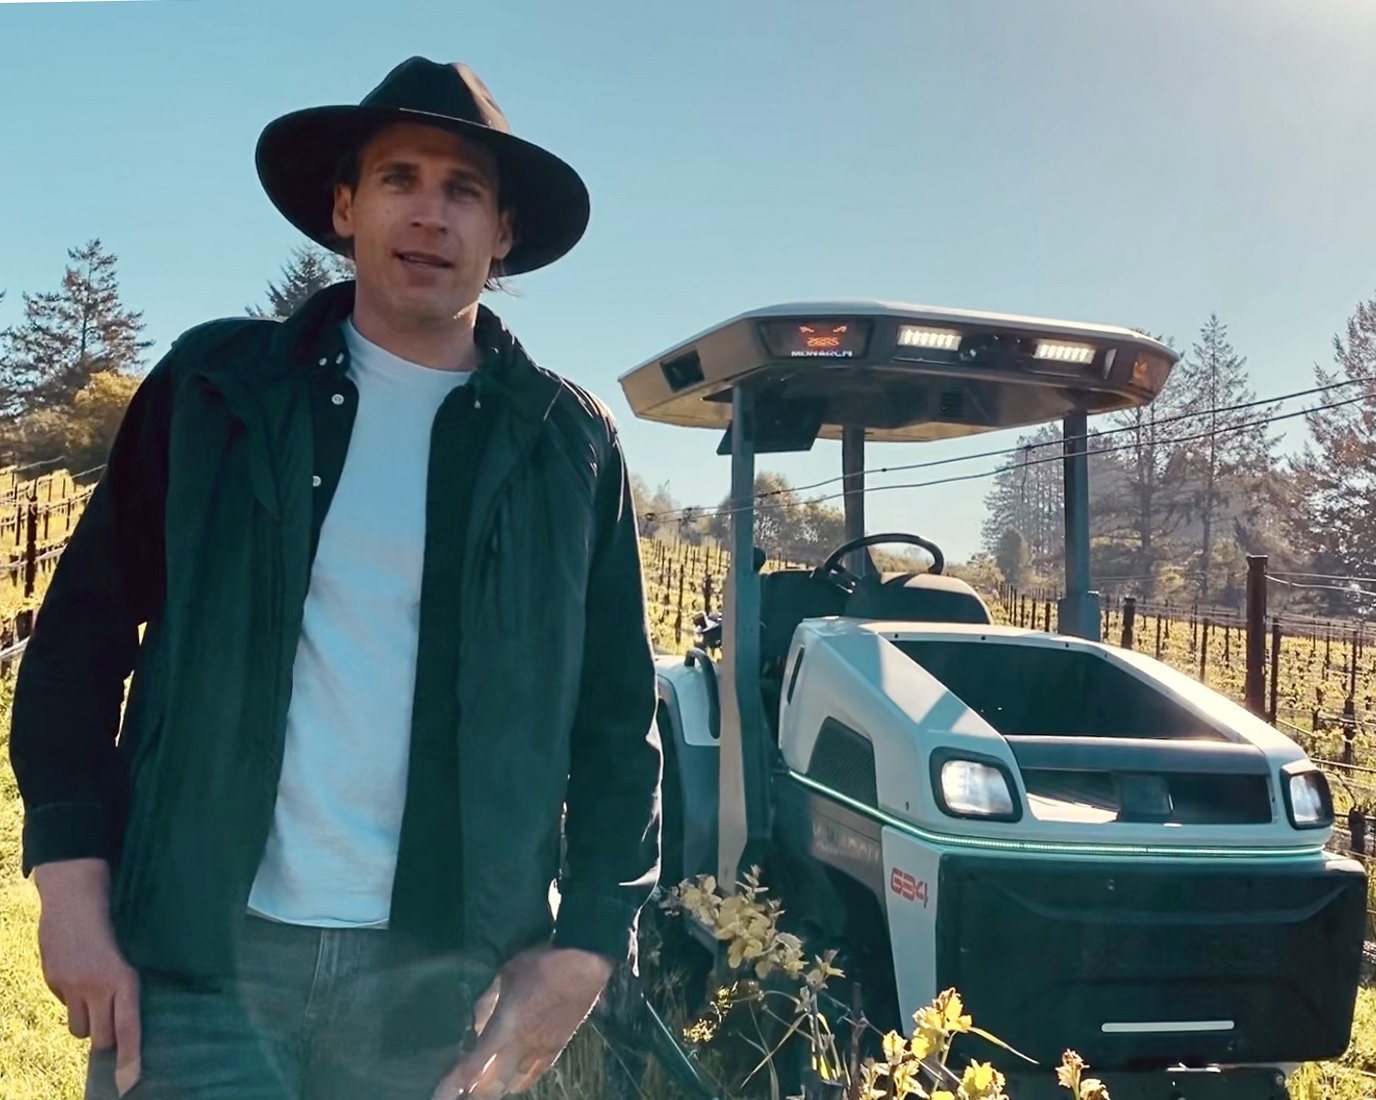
point(419, 84)
point(298, 157)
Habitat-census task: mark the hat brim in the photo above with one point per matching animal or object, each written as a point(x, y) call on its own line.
point(298, 154)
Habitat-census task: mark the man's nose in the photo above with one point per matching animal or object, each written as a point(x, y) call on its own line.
point(427, 211)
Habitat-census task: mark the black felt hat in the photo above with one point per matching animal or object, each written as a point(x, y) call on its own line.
point(299, 153)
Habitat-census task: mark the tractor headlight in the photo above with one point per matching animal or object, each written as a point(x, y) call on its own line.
point(1307, 797)
point(971, 786)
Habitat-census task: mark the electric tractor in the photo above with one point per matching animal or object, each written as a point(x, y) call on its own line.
point(1097, 851)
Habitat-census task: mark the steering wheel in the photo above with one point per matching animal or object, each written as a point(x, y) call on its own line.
point(837, 574)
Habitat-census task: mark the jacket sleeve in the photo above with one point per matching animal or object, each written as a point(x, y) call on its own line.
point(109, 579)
point(612, 825)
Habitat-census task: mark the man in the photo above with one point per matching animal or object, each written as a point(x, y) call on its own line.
point(394, 629)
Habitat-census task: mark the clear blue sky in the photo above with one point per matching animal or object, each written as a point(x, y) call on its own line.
point(1138, 164)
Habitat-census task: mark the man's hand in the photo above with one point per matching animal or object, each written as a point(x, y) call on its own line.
point(82, 964)
point(525, 1020)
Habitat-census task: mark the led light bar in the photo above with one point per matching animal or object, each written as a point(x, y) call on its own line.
point(937, 339)
point(1064, 353)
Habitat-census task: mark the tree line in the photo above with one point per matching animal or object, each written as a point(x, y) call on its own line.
point(789, 527)
point(72, 360)
point(1183, 490)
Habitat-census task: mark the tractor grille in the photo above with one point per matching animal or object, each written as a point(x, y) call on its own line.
point(844, 761)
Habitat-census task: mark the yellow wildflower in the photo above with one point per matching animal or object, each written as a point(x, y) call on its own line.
point(700, 1031)
point(1069, 1071)
point(924, 1044)
point(906, 1081)
point(982, 1082)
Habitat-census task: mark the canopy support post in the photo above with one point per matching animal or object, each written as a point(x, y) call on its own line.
point(744, 771)
point(1079, 608)
point(853, 484)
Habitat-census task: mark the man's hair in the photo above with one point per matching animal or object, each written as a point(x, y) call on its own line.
point(348, 170)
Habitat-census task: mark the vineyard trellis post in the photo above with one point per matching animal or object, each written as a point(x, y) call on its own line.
point(31, 546)
point(1349, 725)
point(1275, 667)
point(1204, 652)
point(1129, 620)
point(1256, 634)
point(1352, 666)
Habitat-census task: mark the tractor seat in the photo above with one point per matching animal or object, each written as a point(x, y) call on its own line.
point(916, 597)
point(787, 597)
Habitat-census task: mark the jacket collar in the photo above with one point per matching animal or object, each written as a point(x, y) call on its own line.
point(311, 339)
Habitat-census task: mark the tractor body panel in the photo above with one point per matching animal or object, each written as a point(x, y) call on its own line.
point(1208, 930)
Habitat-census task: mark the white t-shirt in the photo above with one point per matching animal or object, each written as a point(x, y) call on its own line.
point(331, 855)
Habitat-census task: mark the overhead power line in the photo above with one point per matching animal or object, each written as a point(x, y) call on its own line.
point(1024, 448)
point(1175, 440)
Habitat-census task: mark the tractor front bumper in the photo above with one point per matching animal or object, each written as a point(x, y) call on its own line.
point(1145, 965)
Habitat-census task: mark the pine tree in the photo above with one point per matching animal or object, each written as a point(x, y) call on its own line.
point(68, 335)
point(1234, 450)
point(9, 398)
point(310, 269)
point(1028, 495)
point(1335, 475)
point(1140, 512)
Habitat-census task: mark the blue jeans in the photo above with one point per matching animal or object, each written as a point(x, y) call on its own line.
point(311, 1014)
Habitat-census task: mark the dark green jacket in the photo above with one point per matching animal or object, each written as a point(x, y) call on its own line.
point(535, 683)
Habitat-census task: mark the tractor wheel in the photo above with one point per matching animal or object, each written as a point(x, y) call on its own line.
point(671, 810)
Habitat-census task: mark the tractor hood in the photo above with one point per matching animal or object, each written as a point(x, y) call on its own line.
point(999, 736)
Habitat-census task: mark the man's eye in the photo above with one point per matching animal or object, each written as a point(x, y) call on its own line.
point(466, 190)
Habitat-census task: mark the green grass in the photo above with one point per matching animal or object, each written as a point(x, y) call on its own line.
point(1353, 1076)
point(39, 1058)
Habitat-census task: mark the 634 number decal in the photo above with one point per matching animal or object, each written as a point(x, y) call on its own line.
point(908, 888)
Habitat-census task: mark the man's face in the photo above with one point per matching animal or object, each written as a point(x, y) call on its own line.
point(424, 223)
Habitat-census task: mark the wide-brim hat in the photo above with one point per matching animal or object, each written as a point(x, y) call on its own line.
point(299, 154)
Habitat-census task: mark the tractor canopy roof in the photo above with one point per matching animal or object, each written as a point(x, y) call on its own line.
point(903, 373)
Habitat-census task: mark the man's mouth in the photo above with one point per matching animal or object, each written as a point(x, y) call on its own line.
point(423, 259)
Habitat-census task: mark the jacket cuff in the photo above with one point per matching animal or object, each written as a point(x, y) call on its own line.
point(602, 925)
point(66, 830)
